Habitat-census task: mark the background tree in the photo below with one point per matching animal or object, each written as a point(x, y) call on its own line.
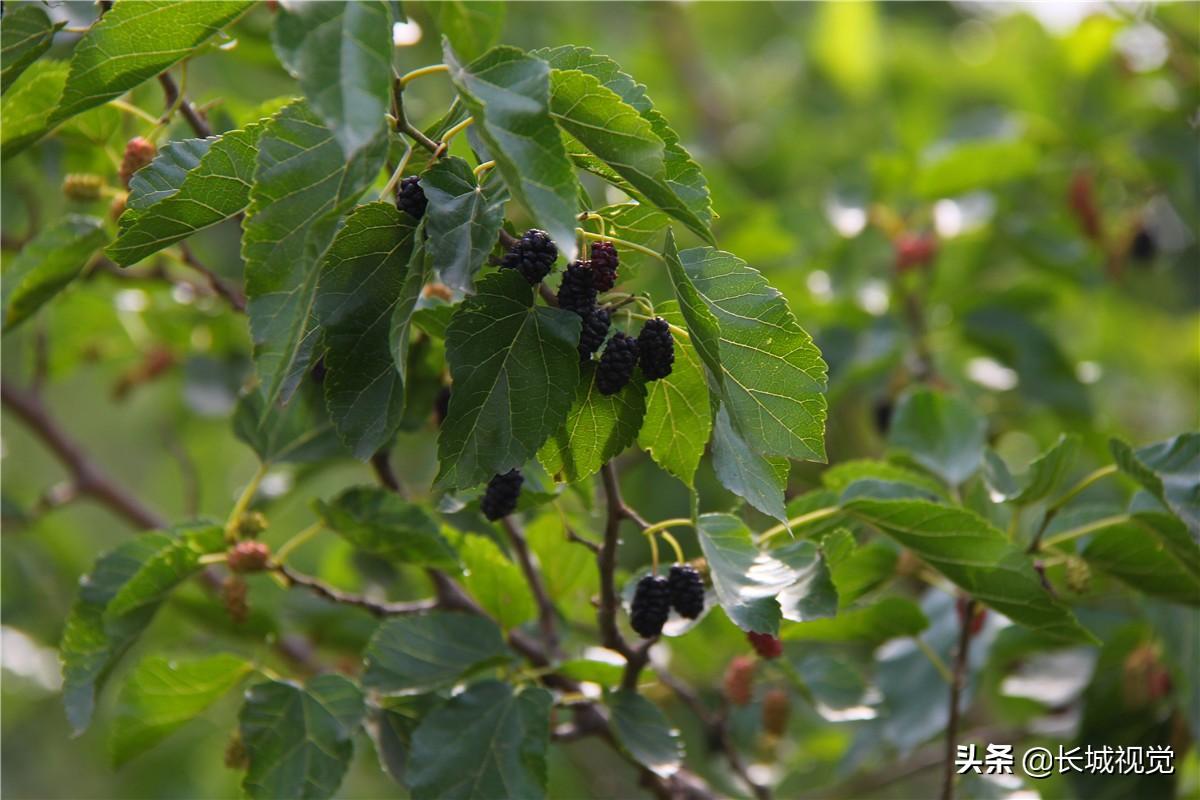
point(287, 300)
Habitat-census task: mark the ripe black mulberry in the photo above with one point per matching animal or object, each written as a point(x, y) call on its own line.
point(1143, 247)
point(410, 197)
point(500, 498)
point(605, 262)
point(533, 255)
point(577, 292)
point(687, 590)
point(617, 363)
point(595, 329)
point(656, 349)
point(651, 606)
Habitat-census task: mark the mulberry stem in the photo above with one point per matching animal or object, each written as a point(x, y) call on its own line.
point(602, 238)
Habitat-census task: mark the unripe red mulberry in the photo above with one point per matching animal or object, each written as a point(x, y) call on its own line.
point(249, 557)
point(138, 153)
point(766, 645)
point(738, 683)
point(233, 595)
point(82, 188)
point(776, 708)
point(914, 250)
point(978, 615)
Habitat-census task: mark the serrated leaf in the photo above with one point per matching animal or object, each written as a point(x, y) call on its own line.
point(382, 523)
point(299, 739)
point(808, 503)
point(597, 428)
point(362, 275)
point(515, 368)
point(1144, 553)
point(463, 219)
point(812, 595)
point(746, 579)
point(134, 42)
point(941, 432)
point(25, 33)
point(405, 313)
point(302, 186)
point(26, 108)
point(756, 478)
point(341, 54)
point(419, 653)
point(139, 573)
point(191, 185)
point(161, 695)
point(298, 432)
point(703, 328)
point(487, 743)
point(976, 557)
point(46, 265)
point(391, 731)
point(1170, 470)
point(772, 377)
point(565, 563)
point(1045, 474)
point(508, 93)
point(887, 619)
point(678, 420)
point(645, 733)
point(683, 175)
point(471, 26)
point(495, 582)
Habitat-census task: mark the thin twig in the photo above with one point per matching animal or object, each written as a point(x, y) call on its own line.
point(379, 609)
point(606, 562)
point(956, 686)
point(86, 476)
point(193, 117)
point(219, 285)
point(547, 614)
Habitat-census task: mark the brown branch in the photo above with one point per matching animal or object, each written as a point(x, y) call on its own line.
point(967, 617)
point(87, 477)
point(193, 117)
point(335, 595)
point(606, 562)
point(547, 614)
point(219, 285)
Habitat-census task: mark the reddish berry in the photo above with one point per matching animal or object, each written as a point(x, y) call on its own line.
point(914, 250)
point(738, 683)
point(249, 557)
point(233, 595)
point(766, 645)
point(138, 153)
point(777, 707)
point(977, 618)
point(1082, 200)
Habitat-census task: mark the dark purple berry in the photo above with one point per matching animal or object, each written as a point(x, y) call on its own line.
point(410, 197)
point(650, 607)
point(656, 349)
point(604, 265)
point(577, 292)
point(500, 498)
point(1143, 247)
point(441, 405)
point(533, 255)
point(617, 363)
point(687, 590)
point(595, 329)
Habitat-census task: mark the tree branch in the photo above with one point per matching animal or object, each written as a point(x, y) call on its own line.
point(87, 477)
point(547, 614)
point(606, 562)
point(956, 686)
point(219, 285)
point(379, 609)
point(193, 117)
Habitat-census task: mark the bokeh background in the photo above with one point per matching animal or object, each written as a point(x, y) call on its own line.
point(831, 135)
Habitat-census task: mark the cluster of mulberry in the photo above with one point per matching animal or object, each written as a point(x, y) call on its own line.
point(500, 498)
point(533, 255)
point(655, 596)
point(410, 197)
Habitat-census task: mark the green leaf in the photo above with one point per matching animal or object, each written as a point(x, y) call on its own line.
point(299, 739)
point(191, 185)
point(639, 223)
point(746, 579)
point(597, 428)
point(25, 33)
point(603, 673)
point(840, 477)
point(495, 582)
point(302, 186)
point(975, 556)
point(46, 265)
point(161, 695)
point(1144, 553)
point(361, 279)
point(941, 432)
point(116, 601)
point(134, 42)
point(976, 165)
point(812, 595)
point(644, 732)
point(756, 478)
point(864, 570)
point(26, 108)
point(678, 420)
point(508, 93)
point(487, 743)
point(772, 377)
point(382, 523)
point(1169, 471)
point(471, 26)
point(889, 618)
point(341, 54)
point(298, 432)
point(703, 328)
point(419, 653)
point(515, 369)
point(683, 175)
point(1045, 474)
point(565, 563)
point(463, 218)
